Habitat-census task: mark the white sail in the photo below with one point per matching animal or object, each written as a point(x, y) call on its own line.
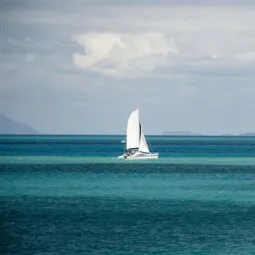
point(143, 146)
point(136, 140)
point(133, 131)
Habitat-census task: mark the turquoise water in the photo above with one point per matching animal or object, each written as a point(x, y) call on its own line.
point(220, 150)
point(70, 195)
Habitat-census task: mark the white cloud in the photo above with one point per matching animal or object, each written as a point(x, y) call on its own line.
point(117, 54)
point(167, 37)
point(144, 39)
point(141, 54)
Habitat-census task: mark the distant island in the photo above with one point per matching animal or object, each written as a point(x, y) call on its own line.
point(248, 134)
point(187, 133)
point(9, 126)
point(180, 133)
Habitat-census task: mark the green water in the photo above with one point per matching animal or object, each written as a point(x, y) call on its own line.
point(70, 195)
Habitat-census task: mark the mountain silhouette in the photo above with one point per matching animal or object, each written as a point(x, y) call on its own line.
point(9, 126)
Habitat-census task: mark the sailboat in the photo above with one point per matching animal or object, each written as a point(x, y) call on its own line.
point(136, 144)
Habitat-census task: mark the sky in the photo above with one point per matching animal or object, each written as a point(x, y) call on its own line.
point(81, 67)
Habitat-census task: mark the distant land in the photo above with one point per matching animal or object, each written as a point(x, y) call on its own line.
point(187, 133)
point(248, 134)
point(9, 126)
point(184, 133)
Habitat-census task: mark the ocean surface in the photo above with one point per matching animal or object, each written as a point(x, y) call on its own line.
point(71, 195)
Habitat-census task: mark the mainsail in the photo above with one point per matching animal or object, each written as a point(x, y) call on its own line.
point(133, 130)
point(135, 135)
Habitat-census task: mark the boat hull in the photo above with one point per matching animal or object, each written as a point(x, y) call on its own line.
point(139, 155)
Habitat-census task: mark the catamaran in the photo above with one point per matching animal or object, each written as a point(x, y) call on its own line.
point(136, 144)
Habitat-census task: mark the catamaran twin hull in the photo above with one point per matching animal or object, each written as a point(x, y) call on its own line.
point(136, 144)
point(140, 155)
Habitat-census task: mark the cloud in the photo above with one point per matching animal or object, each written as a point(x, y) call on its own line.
point(139, 39)
point(166, 38)
point(123, 54)
point(129, 55)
